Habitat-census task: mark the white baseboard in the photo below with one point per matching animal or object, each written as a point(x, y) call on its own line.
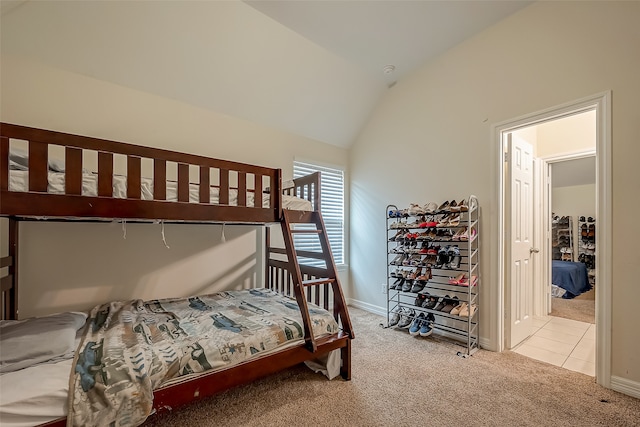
point(628, 387)
point(380, 311)
point(485, 344)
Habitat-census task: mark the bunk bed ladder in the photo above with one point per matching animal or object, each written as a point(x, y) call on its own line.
point(329, 274)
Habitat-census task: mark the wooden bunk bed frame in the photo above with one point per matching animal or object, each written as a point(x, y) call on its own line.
point(283, 272)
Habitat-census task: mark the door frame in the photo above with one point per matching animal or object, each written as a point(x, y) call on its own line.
point(601, 102)
point(541, 293)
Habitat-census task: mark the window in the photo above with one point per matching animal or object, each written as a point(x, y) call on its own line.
point(332, 209)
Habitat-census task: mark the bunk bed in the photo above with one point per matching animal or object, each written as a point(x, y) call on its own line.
point(35, 185)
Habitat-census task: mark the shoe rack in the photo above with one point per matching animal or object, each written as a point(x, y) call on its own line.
point(587, 245)
point(562, 238)
point(433, 270)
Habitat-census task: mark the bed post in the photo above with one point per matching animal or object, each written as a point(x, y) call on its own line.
point(267, 256)
point(10, 282)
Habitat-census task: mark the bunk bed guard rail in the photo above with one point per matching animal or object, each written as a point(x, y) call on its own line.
point(205, 189)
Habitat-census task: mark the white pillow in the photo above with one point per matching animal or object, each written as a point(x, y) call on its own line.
point(29, 342)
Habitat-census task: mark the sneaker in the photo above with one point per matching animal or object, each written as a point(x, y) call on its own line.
point(395, 316)
point(406, 318)
point(420, 299)
point(417, 324)
point(406, 287)
point(426, 328)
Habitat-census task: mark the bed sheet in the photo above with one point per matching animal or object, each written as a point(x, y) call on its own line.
point(41, 392)
point(570, 276)
point(19, 181)
point(34, 395)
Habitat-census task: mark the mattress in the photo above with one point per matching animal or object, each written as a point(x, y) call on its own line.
point(34, 395)
point(40, 393)
point(19, 181)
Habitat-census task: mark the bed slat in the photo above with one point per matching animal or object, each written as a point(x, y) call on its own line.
point(258, 188)
point(105, 174)
point(134, 167)
point(159, 179)
point(242, 189)
point(224, 187)
point(73, 170)
point(183, 182)
point(205, 183)
point(4, 163)
point(38, 169)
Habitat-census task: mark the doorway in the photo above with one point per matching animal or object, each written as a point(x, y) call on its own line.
point(563, 324)
point(508, 300)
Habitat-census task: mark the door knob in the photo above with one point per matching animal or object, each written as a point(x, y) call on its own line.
point(534, 250)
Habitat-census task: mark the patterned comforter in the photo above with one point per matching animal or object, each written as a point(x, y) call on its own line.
point(130, 348)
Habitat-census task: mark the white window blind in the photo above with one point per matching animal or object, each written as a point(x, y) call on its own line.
point(332, 209)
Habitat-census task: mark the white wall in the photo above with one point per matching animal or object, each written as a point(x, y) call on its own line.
point(430, 139)
point(140, 266)
point(567, 135)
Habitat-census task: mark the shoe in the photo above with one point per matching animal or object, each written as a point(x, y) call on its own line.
point(462, 207)
point(454, 221)
point(441, 303)
point(449, 304)
point(456, 280)
point(467, 311)
point(430, 302)
point(444, 221)
point(406, 318)
point(443, 207)
point(454, 262)
point(420, 299)
point(457, 236)
point(406, 287)
point(472, 282)
point(456, 310)
point(395, 316)
point(417, 286)
point(427, 326)
point(430, 208)
point(417, 324)
point(415, 210)
point(426, 276)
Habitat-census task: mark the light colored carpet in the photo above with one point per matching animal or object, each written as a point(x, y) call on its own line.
point(582, 307)
point(402, 380)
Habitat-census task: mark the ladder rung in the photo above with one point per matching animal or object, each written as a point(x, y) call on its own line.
point(307, 231)
point(316, 282)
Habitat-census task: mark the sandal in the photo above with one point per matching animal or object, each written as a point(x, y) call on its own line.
point(459, 234)
point(459, 278)
point(454, 221)
point(465, 282)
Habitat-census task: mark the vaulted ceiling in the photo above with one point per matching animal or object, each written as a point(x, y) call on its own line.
point(313, 68)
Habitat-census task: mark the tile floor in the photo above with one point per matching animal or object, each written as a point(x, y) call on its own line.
point(562, 342)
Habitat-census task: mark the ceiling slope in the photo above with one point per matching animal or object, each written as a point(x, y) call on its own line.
point(310, 68)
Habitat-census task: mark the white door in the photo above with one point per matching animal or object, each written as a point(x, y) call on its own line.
point(519, 244)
